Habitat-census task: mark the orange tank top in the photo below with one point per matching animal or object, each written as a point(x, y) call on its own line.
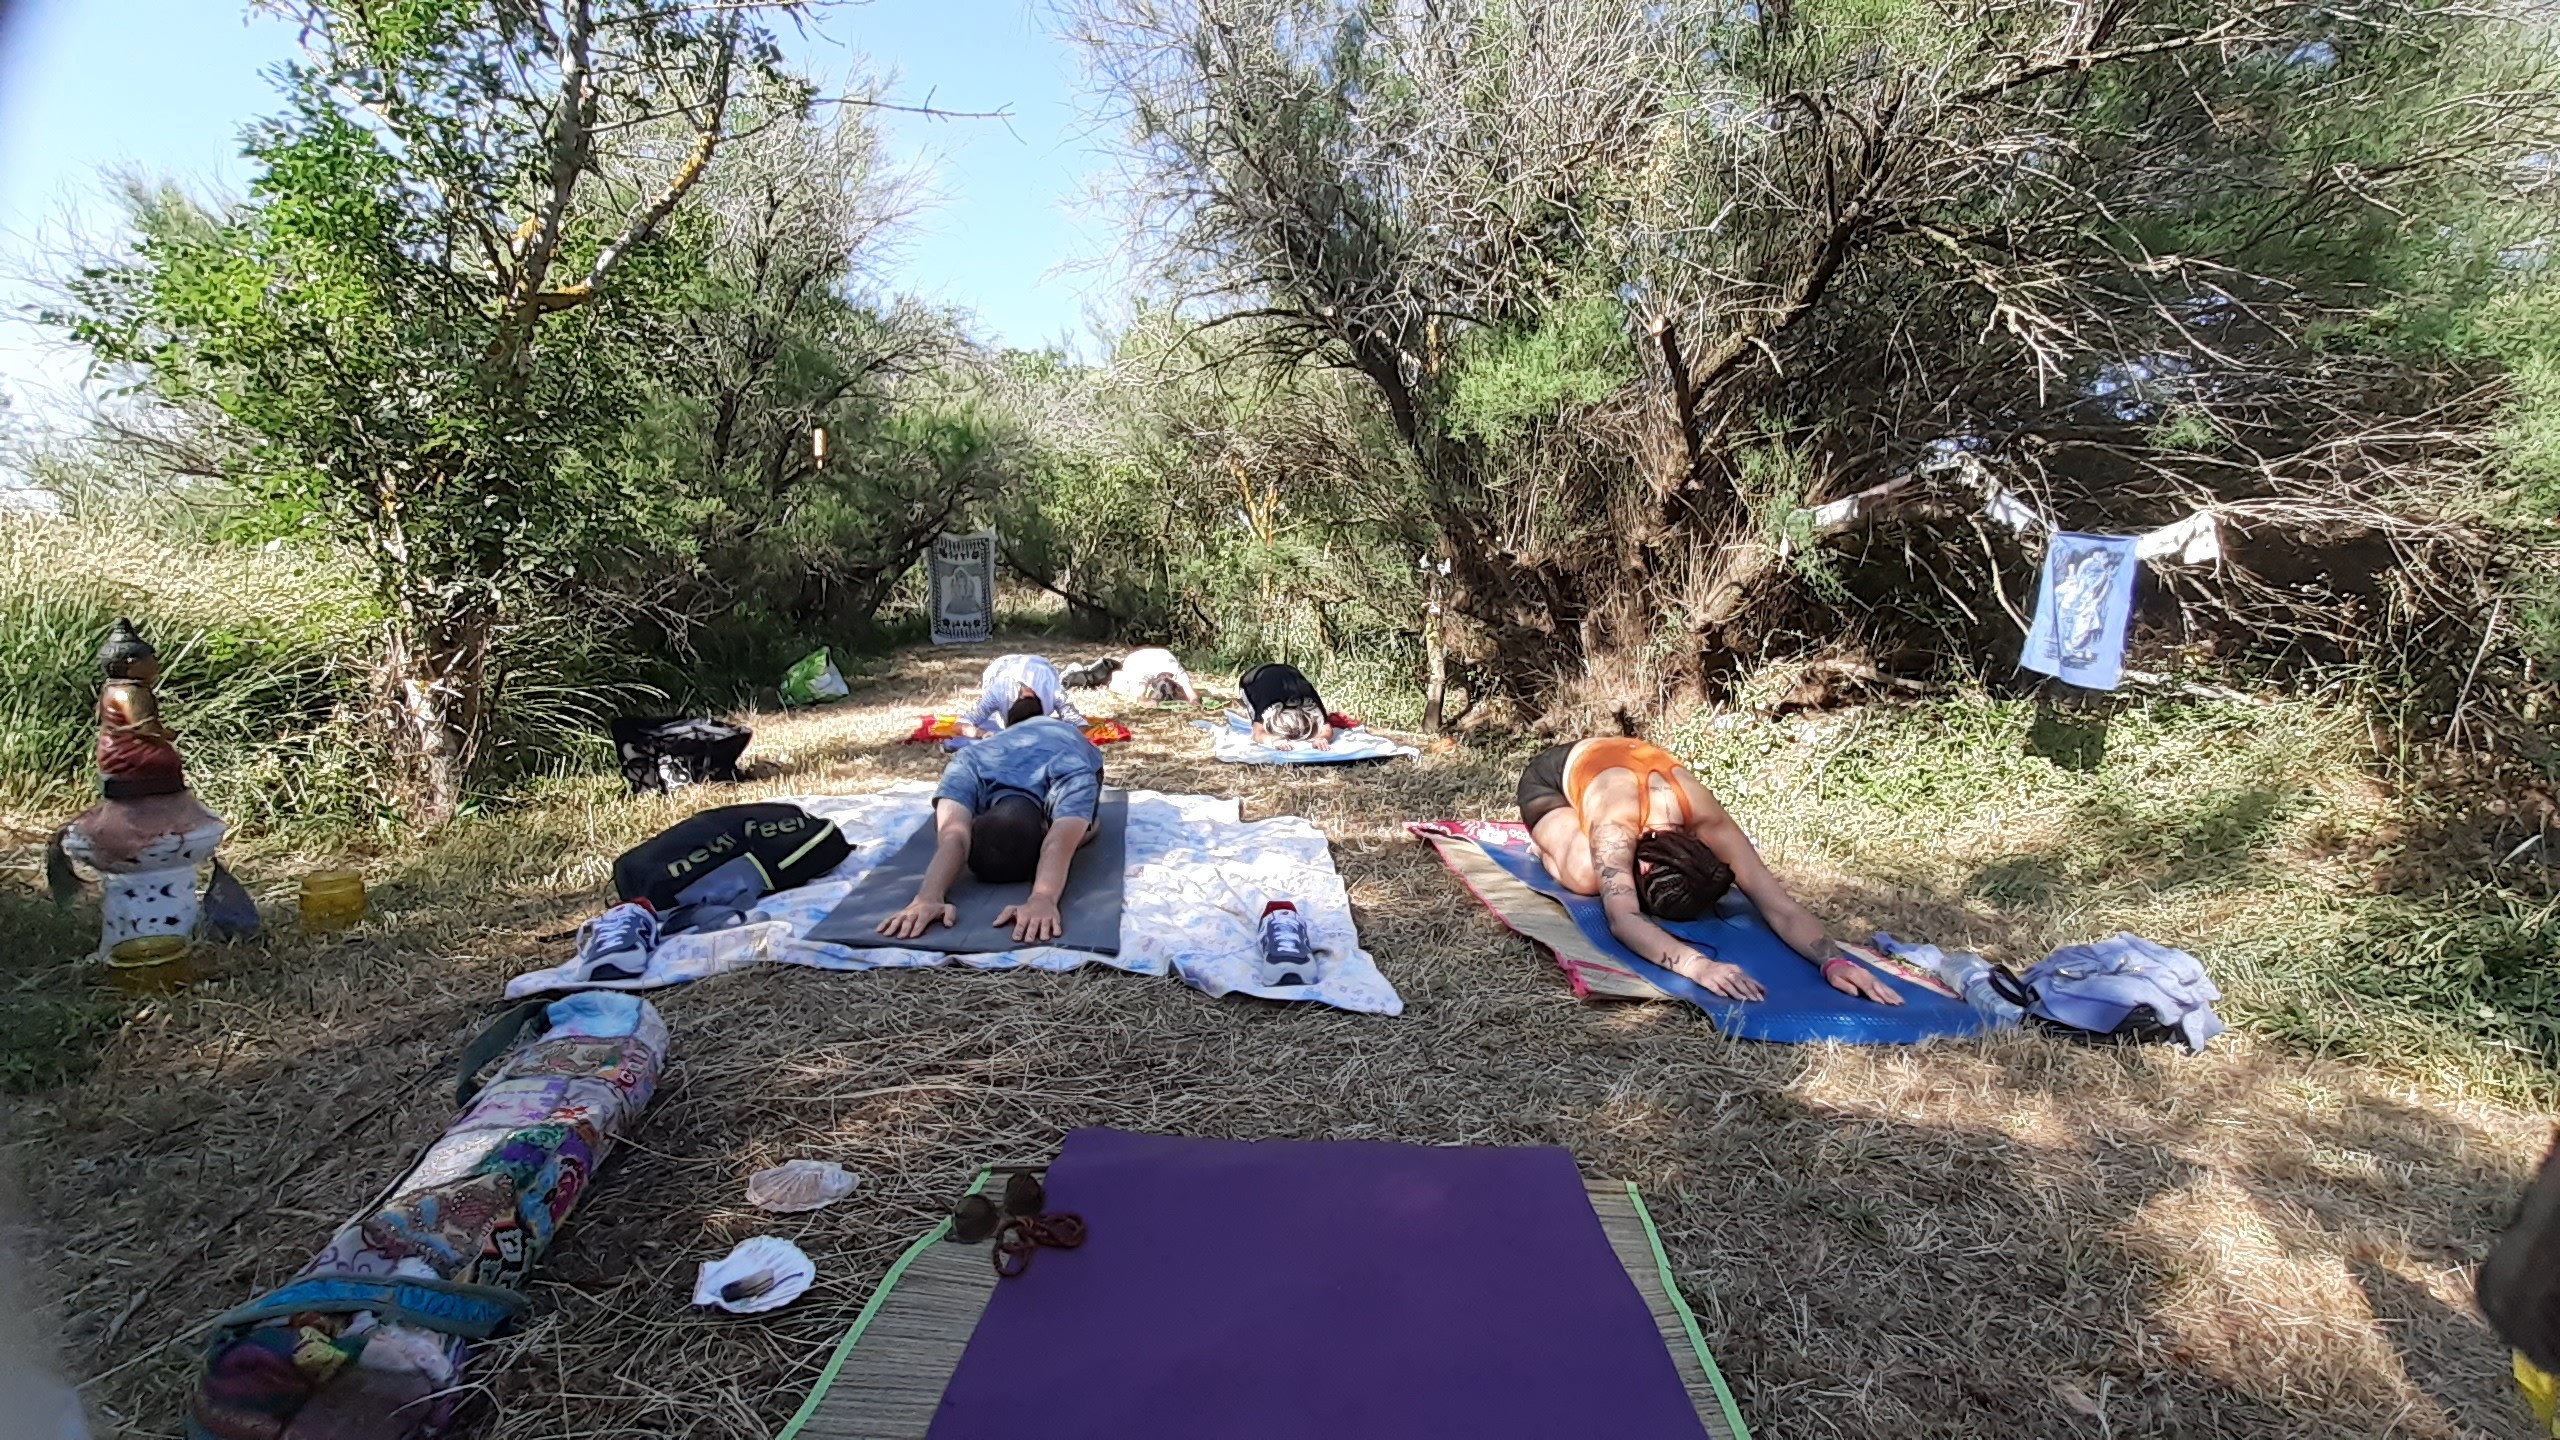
point(1592, 758)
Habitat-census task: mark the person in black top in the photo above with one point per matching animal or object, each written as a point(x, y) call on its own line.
point(1284, 706)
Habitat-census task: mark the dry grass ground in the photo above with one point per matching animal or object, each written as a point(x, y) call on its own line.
point(2014, 1238)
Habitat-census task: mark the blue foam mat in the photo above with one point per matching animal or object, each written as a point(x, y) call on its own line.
point(1801, 1008)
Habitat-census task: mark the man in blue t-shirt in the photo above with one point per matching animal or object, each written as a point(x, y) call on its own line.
point(1014, 806)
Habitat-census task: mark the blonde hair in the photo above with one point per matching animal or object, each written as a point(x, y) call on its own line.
point(1293, 722)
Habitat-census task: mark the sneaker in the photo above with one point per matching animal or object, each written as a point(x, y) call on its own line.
point(616, 944)
point(1287, 957)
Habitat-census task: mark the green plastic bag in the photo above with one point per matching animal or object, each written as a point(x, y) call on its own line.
point(813, 681)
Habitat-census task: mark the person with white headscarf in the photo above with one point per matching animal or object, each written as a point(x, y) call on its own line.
point(1153, 674)
point(1016, 688)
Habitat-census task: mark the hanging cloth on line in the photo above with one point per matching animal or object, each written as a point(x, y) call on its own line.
point(2083, 609)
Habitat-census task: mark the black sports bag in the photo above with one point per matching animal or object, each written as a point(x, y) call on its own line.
point(787, 845)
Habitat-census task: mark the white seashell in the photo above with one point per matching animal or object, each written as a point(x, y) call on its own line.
point(792, 1272)
point(799, 1185)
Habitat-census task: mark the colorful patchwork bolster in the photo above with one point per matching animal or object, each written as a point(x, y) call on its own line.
point(449, 1307)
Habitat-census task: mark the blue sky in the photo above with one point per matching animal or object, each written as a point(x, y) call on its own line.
point(165, 85)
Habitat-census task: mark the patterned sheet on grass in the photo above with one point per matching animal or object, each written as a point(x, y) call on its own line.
point(886, 1377)
point(1494, 861)
point(1198, 877)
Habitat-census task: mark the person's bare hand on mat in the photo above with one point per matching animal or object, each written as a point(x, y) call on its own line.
point(919, 916)
point(1033, 920)
point(1851, 978)
point(1729, 981)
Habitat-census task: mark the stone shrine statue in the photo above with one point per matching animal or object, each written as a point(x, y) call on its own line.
point(148, 835)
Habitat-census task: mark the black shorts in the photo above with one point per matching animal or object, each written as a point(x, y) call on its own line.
point(1268, 686)
point(1542, 785)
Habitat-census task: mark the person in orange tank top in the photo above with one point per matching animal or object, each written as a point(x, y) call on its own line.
point(1623, 819)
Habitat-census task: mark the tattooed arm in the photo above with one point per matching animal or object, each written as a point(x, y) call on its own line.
point(1613, 857)
point(1791, 922)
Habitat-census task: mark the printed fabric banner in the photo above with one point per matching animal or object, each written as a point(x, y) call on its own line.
point(2084, 609)
point(962, 571)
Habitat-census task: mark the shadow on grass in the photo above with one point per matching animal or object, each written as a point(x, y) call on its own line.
point(2461, 953)
point(2186, 1256)
point(2071, 739)
point(55, 1014)
point(2111, 844)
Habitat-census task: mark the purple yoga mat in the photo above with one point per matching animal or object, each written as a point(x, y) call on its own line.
point(1317, 1290)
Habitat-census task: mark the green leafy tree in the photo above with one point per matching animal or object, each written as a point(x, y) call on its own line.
point(820, 437)
point(1191, 488)
point(424, 325)
point(1591, 258)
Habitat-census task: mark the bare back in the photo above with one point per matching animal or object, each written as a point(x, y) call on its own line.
point(1646, 789)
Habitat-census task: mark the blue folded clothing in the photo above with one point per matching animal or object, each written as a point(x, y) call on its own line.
point(2096, 987)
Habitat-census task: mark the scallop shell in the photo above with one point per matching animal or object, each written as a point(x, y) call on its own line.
point(799, 1185)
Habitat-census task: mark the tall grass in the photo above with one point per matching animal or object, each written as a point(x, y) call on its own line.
point(2339, 916)
point(269, 657)
point(265, 654)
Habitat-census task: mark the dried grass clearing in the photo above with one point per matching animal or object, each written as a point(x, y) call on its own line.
point(2001, 1238)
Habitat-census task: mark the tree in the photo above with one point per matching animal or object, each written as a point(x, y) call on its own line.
point(821, 438)
point(1634, 282)
point(1187, 488)
point(420, 324)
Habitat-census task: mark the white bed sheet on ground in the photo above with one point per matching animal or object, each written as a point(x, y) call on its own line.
point(1232, 741)
point(1198, 879)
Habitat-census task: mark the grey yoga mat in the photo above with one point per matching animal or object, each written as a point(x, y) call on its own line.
point(1090, 910)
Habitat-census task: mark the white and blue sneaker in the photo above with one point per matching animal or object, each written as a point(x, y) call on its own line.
point(1287, 957)
point(616, 944)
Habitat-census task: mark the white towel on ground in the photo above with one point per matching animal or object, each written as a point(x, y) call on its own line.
point(1198, 879)
point(1232, 742)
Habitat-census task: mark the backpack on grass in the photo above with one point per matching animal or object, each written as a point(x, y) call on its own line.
point(2122, 990)
point(784, 845)
point(668, 752)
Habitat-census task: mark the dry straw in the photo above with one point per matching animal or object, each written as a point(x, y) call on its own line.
point(1973, 1239)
